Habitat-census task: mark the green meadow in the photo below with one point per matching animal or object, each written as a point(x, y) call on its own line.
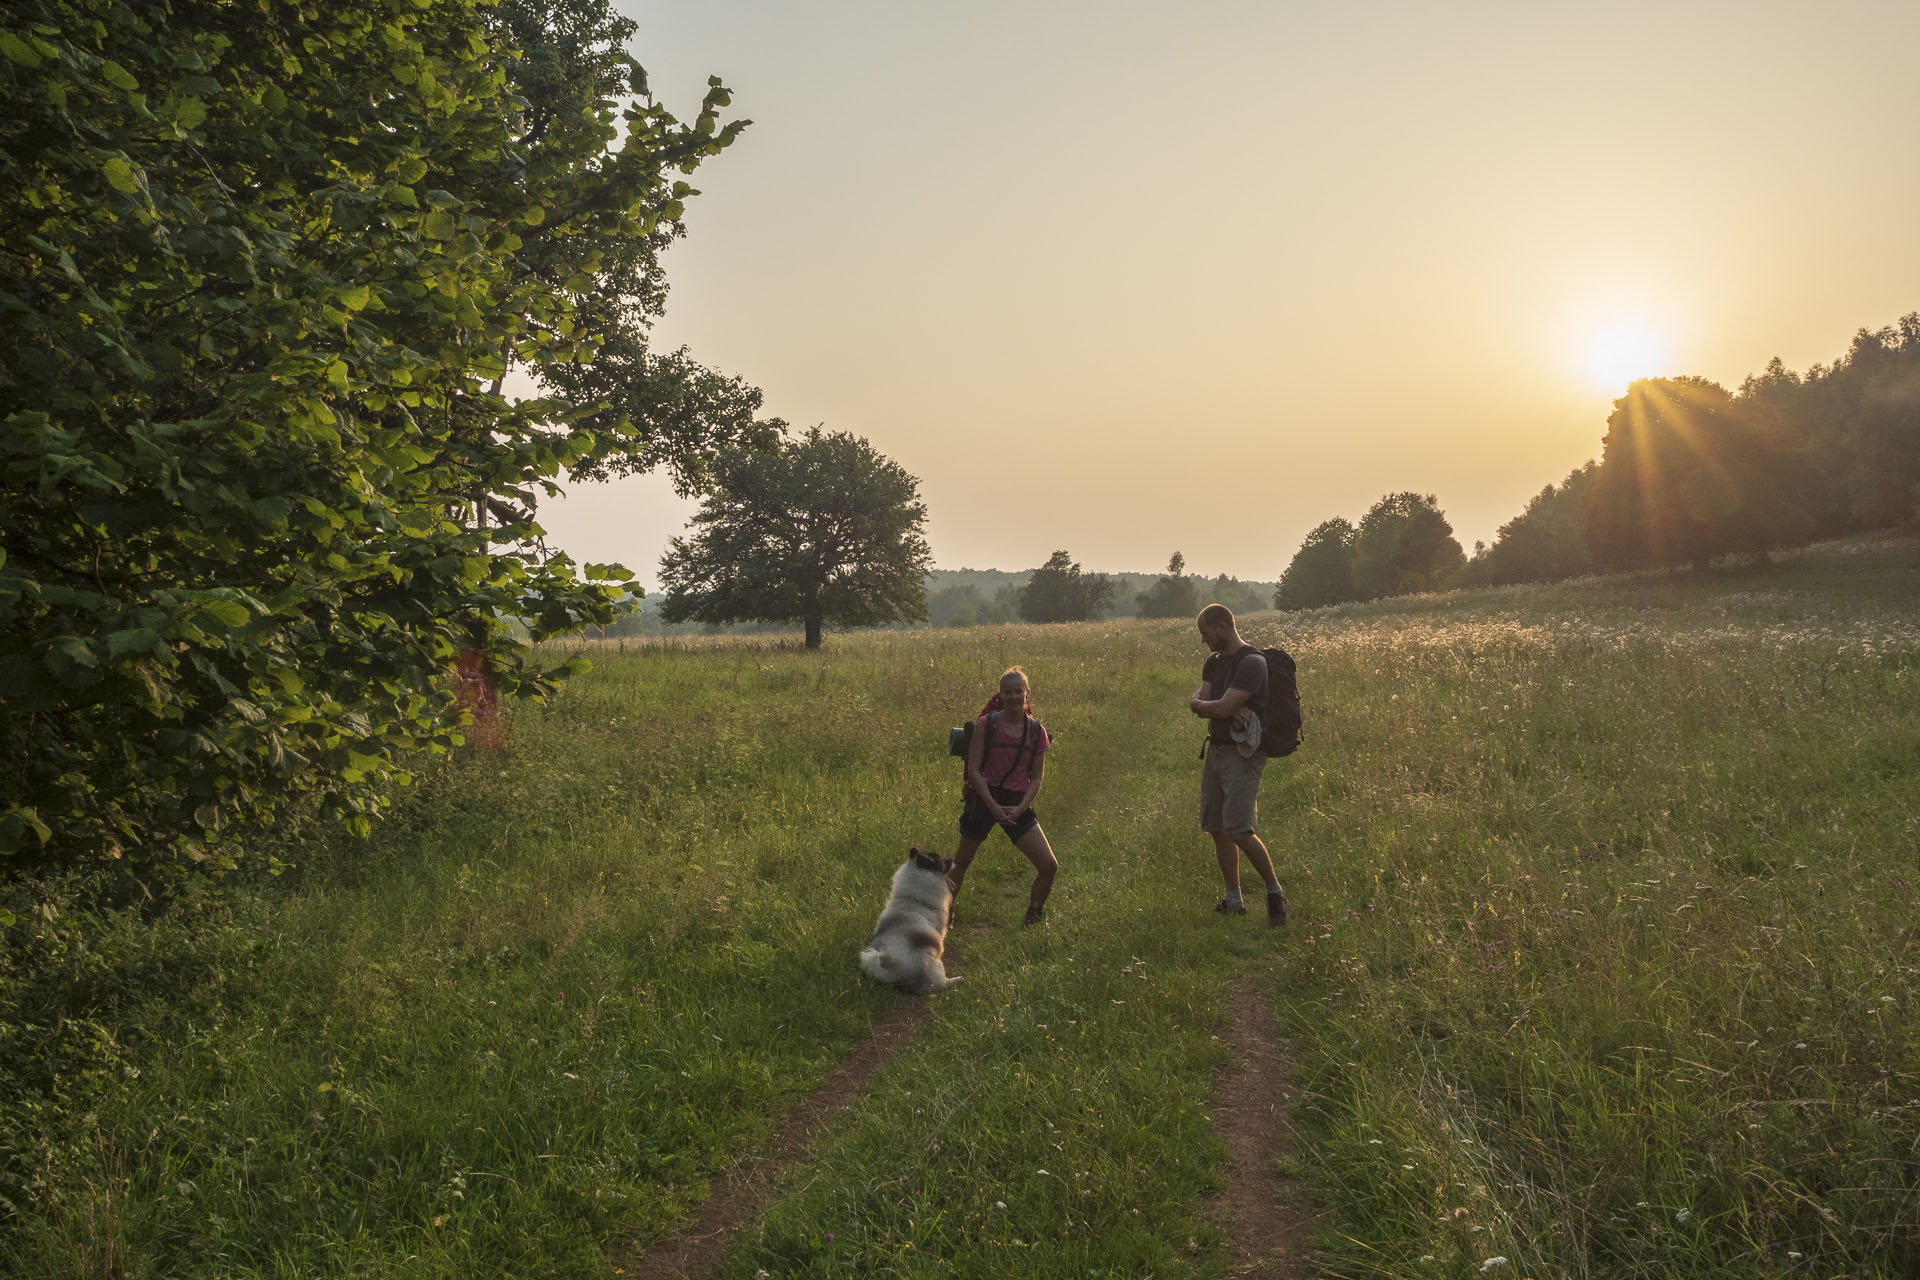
point(1602, 963)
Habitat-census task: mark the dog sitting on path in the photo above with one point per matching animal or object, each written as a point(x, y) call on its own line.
point(911, 934)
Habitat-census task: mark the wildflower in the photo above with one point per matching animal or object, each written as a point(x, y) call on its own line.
point(1682, 1217)
point(1495, 1261)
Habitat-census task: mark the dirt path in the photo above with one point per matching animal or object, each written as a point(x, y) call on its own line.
point(1260, 1207)
point(740, 1194)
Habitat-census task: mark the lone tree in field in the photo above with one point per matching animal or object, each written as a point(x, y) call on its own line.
point(1059, 592)
point(812, 530)
point(1175, 595)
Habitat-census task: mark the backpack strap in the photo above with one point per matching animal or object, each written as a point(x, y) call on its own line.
point(993, 734)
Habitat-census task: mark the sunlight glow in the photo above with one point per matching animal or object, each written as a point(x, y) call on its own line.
point(1623, 352)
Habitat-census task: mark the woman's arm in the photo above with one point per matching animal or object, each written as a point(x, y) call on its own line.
point(1035, 769)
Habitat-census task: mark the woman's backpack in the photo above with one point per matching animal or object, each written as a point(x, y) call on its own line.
point(960, 742)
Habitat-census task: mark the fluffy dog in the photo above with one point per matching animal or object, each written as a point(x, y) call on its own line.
point(911, 933)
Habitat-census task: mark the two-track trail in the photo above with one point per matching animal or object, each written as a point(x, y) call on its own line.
point(1259, 1209)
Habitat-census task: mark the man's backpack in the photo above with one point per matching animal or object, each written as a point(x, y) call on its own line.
point(1280, 718)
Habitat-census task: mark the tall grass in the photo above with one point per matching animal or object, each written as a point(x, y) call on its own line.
point(1601, 963)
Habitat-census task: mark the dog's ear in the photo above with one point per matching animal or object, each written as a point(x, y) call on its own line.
point(925, 861)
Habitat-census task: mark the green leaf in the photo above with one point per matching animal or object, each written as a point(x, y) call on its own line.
point(439, 225)
point(132, 640)
point(17, 823)
point(120, 174)
point(118, 76)
point(189, 113)
point(356, 298)
point(17, 50)
point(226, 612)
point(71, 651)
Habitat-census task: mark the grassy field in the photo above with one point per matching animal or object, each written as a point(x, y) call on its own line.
point(1602, 964)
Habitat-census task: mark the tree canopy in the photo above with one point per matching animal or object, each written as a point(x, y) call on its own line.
point(1321, 572)
point(1174, 595)
point(1688, 473)
point(1059, 592)
point(816, 529)
point(1543, 543)
point(267, 266)
point(1404, 544)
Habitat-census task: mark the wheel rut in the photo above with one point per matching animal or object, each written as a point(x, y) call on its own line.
point(1260, 1208)
point(742, 1192)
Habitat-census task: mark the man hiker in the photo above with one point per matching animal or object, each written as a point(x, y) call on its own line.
point(1233, 686)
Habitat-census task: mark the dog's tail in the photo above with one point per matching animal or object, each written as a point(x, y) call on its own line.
point(878, 964)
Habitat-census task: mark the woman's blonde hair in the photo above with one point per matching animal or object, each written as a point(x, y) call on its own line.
point(1026, 682)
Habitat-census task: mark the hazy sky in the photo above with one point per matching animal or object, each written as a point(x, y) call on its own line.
point(1126, 278)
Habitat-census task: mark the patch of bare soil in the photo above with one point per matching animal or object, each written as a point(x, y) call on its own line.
point(739, 1194)
point(1260, 1208)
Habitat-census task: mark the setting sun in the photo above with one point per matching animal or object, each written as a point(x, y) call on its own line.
point(1618, 355)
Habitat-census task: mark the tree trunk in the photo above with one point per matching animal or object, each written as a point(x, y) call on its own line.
point(813, 631)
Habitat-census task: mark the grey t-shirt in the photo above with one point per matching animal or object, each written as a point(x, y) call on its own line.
point(1245, 669)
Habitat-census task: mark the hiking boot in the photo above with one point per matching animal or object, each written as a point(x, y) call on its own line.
point(1229, 907)
point(1276, 907)
point(1035, 915)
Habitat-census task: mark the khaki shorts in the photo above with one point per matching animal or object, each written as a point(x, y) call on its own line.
point(1230, 789)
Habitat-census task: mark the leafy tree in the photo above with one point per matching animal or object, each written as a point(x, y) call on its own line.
point(266, 268)
point(1685, 475)
point(1543, 543)
point(1321, 572)
point(1404, 544)
point(957, 606)
point(665, 410)
point(812, 530)
point(1173, 596)
point(1861, 422)
point(1059, 592)
point(1241, 597)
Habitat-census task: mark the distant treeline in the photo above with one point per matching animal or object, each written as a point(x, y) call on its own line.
point(1688, 472)
point(1055, 592)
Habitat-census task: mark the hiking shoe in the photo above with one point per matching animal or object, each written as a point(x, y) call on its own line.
point(1229, 907)
point(1035, 915)
point(1276, 907)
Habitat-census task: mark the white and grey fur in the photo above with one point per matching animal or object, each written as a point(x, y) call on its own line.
point(911, 933)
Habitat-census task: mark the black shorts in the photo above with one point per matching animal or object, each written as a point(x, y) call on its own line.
point(977, 824)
